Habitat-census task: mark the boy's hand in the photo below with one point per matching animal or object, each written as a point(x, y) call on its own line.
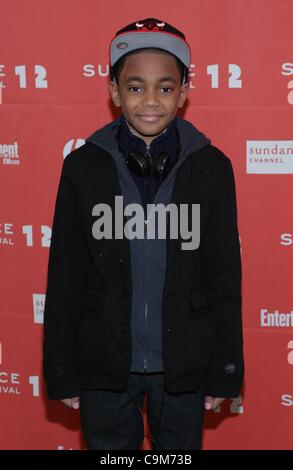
point(71, 402)
point(212, 403)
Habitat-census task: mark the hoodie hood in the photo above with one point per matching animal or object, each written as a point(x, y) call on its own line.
point(191, 139)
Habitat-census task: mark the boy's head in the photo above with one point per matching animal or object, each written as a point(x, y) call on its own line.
point(149, 62)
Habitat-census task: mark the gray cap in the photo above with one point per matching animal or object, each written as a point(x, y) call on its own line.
point(150, 33)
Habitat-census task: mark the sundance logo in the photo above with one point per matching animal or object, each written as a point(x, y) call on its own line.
point(38, 306)
point(287, 400)
point(11, 383)
point(269, 156)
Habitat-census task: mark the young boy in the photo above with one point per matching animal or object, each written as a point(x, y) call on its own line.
point(133, 316)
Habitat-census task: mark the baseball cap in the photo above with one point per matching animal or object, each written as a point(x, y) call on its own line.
point(153, 33)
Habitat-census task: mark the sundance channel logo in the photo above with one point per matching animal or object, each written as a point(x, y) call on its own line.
point(269, 156)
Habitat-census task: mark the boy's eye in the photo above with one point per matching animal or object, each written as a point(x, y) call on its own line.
point(135, 88)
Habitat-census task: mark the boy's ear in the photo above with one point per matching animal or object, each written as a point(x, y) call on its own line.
point(114, 92)
point(183, 94)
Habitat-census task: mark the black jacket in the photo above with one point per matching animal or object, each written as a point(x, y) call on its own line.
point(148, 256)
point(87, 318)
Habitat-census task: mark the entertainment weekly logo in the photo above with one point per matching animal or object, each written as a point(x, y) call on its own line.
point(9, 153)
point(269, 156)
point(275, 319)
point(11, 382)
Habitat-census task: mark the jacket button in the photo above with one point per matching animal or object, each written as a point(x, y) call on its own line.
point(125, 328)
point(169, 330)
point(100, 254)
point(230, 368)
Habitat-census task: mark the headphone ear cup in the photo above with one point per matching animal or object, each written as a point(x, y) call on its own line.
point(138, 163)
point(162, 166)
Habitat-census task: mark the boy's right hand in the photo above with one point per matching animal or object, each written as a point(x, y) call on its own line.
point(71, 402)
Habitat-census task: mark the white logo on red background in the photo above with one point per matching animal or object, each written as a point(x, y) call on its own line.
point(290, 354)
point(287, 70)
point(32, 236)
point(38, 307)
point(287, 398)
point(286, 239)
point(71, 145)
point(218, 75)
point(10, 382)
point(9, 153)
point(269, 156)
point(6, 232)
point(275, 319)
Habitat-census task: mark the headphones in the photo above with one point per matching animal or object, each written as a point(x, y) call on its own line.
point(142, 166)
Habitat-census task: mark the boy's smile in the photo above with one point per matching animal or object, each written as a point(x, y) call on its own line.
point(149, 92)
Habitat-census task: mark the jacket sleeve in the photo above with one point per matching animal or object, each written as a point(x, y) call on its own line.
point(222, 276)
point(66, 277)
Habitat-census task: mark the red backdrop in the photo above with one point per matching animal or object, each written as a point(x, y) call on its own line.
point(53, 93)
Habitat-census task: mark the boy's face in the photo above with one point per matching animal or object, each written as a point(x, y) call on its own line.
point(149, 92)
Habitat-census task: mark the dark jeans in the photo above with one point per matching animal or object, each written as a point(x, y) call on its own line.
point(114, 420)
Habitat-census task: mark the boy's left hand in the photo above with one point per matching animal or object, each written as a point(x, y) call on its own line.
point(212, 403)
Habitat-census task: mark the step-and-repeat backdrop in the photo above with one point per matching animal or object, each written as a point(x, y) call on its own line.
point(54, 72)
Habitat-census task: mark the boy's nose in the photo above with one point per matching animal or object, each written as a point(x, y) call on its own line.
point(150, 97)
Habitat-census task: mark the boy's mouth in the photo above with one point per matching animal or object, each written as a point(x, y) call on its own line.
point(149, 117)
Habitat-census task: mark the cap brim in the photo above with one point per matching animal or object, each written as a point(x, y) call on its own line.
point(130, 41)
